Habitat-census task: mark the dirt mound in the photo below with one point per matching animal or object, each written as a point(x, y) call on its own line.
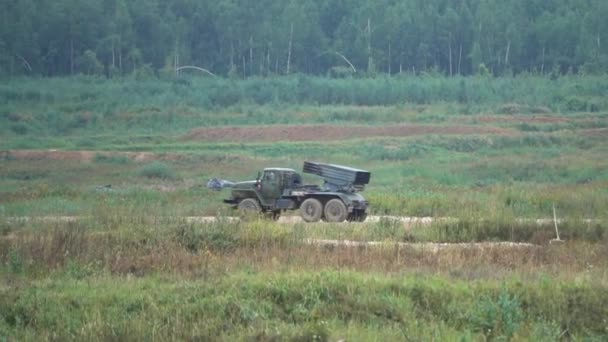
point(327, 132)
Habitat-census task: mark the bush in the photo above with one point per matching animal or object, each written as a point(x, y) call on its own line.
point(157, 170)
point(220, 235)
point(20, 128)
point(576, 104)
point(110, 159)
point(498, 319)
point(15, 261)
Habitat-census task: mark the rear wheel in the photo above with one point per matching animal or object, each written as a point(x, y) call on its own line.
point(311, 210)
point(335, 211)
point(249, 207)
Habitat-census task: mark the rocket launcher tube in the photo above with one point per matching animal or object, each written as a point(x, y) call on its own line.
point(338, 177)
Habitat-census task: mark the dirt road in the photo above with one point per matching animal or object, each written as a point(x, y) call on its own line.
point(407, 221)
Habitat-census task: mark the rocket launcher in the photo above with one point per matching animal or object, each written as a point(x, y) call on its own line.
point(338, 177)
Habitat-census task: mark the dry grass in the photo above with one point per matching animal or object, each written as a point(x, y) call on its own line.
point(148, 249)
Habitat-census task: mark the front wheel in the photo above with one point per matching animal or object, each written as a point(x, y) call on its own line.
point(335, 211)
point(248, 207)
point(311, 210)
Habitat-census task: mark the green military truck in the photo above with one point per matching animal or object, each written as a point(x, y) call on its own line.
point(280, 189)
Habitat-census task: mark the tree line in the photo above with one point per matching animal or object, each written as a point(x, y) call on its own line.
point(243, 38)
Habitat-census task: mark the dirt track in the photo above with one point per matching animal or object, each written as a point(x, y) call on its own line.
point(432, 247)
point(406, 221)
point(207, 219)
point(328, 132)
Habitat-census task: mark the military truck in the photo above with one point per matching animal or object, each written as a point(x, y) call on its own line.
point(280, 189)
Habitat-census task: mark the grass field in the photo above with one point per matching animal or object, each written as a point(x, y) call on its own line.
point(494, 155)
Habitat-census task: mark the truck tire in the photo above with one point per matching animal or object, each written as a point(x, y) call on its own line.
point(249, 207)
point(311, 210)
point(335, 211)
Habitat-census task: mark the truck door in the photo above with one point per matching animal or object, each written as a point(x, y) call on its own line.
point(271, 186)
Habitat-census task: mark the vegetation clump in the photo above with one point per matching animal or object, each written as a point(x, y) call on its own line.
point(158, 170)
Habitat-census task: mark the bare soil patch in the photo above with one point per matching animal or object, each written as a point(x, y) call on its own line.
point(523, 119)
point(84, 155)
point(516, 108)
point(595, 132)
point(329, 132)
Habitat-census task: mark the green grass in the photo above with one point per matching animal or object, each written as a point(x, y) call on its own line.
point(134, 268)
point(88, 106)
point(297, 306)
point(136, 278)
point(132, 277)
point(520, 176)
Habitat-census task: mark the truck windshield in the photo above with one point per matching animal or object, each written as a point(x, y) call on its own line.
point(270, 176)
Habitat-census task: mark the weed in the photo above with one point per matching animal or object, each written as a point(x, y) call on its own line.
point(387, 228)
point(500, 318)
point(15, 261)
point(78, 270)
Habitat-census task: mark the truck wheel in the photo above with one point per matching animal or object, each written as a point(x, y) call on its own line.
point(249, 206)
point(311, 210)
point(335, 211)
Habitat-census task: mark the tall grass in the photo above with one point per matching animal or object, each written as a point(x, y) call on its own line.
point(301, 89)
point(174, 279)
point(66, 105)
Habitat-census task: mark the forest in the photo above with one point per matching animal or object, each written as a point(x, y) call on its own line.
point(337, 38)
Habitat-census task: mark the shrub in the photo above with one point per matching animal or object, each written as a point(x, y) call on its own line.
point(110, 159)
point(220, 235)
point(576, 104)
point(20, 128)
point(498, 318)
point(157, 170)
point(15, 261)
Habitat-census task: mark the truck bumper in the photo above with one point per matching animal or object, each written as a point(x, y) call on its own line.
point(359, 205)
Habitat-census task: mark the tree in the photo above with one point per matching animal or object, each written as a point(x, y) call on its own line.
point(89, 64)
point(247, 38)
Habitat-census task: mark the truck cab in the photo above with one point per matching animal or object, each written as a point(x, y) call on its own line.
point(269, 186)
point(275, 182)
